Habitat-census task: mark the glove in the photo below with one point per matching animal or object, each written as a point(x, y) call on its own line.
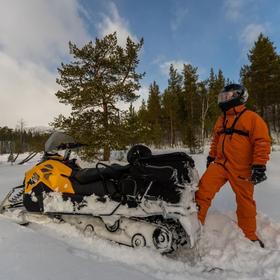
point(258, 174)
point(209, 160)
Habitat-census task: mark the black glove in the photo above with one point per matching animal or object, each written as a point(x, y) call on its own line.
point(258, 174)
point(209, 160)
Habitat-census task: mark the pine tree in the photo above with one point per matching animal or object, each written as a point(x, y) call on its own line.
point(190, 127)
point(170, 102)
point(205, 105)
point(6, 137)
point(136, 131)
point(215, 84)
point(144, 124)
point(100, 75)
point(20, 141)
point(154, 113)
point(261, 77)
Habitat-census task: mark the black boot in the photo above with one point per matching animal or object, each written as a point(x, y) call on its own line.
point(260, 242)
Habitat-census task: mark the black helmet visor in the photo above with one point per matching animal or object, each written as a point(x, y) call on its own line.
point(226, 96)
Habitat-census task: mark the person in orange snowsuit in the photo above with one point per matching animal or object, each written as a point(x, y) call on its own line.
point(239, 152)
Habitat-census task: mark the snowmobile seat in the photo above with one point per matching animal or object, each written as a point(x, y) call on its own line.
point(91, 175)
point(99, 188)
point(99, 181)
point(124, 180)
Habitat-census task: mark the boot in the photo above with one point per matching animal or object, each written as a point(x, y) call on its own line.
point(260, 242)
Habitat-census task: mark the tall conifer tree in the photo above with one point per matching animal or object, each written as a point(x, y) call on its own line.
point(215, 84)
point(190, 127)
point(154, 114)
point(170, 102)
point(100, 75)
point(261, 77)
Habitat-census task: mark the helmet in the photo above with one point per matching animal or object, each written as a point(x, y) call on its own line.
point(232, 95)
point(137, 152)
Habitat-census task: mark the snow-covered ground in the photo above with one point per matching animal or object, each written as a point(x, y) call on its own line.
point(59, 251)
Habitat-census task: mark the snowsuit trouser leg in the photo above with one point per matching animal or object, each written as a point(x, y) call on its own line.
point(212, 180)
point(246, 206)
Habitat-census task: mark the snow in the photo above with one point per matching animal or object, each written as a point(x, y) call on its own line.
point(60, 251)
point(27, 253)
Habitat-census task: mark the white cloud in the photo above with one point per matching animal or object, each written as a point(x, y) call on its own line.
point(251, 33)
point(234, 9)
point(27, 92)
point(178, 64)
point(114, 22)
point(39, 30)
point(179, 17)
point(143, 94)
point(34, 40)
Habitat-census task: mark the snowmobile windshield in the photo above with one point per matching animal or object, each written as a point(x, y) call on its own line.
point(58, 141)
point(226, 96)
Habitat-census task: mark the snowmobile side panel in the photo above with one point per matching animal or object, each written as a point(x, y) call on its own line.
point(52, 173)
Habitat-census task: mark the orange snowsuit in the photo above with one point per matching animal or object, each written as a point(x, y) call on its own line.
point(234, 154)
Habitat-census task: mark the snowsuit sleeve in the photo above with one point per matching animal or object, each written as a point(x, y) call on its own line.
point(261, 141)
point(215, 139)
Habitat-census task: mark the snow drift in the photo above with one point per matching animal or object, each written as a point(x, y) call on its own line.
point(60, 251)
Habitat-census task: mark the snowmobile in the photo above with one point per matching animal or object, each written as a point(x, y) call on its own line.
point(149, 202)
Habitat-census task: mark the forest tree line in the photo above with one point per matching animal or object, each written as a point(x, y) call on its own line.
point(183, 114)
point(21, 140)
point(102, 73)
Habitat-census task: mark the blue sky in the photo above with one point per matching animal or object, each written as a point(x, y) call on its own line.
point(35, 34)
point(206, 34)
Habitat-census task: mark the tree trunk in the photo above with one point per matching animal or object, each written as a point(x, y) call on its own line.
point(202, 132)
point(172, 133)
point(205, 107)
point(274, 118)
point(106, 153)
point(202, 122)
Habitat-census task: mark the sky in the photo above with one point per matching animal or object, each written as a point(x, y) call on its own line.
point(34, 36)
